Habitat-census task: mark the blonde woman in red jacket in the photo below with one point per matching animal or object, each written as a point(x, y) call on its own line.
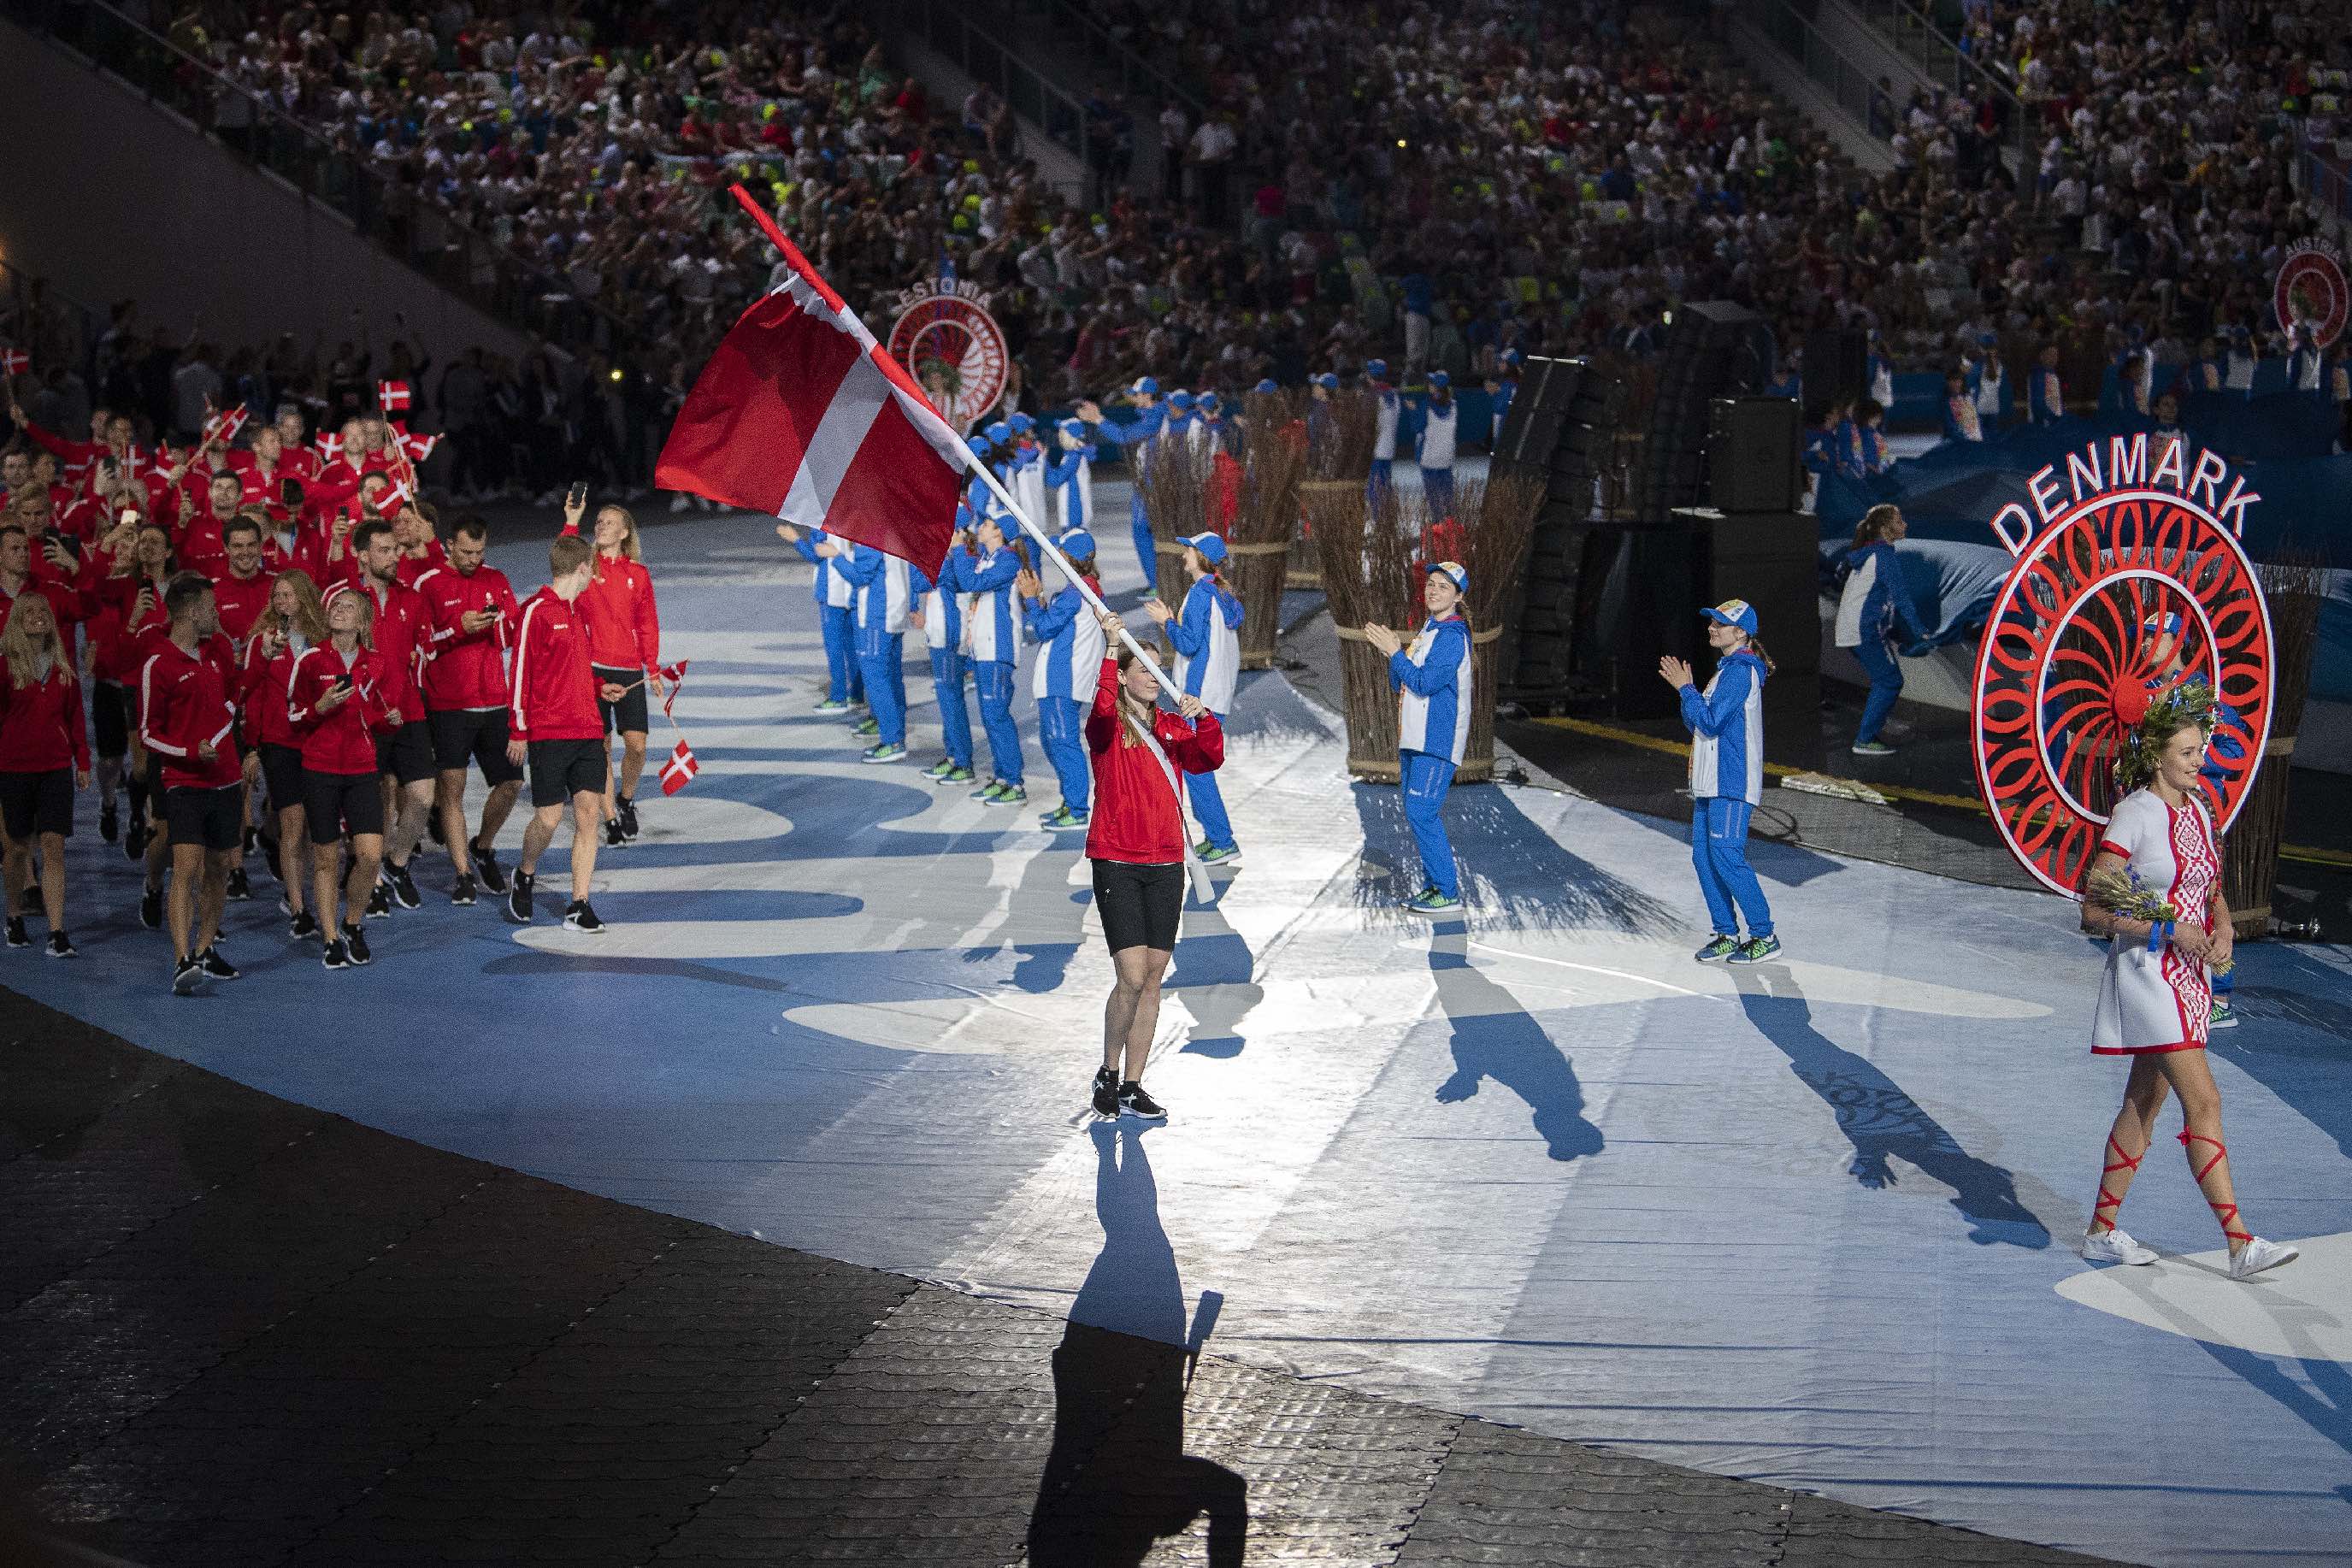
point(624, 648)
point(1136, 842)
point(44, 758)
point(340, 697)
point(294, 623)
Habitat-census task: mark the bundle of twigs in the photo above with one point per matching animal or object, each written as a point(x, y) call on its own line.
point(1341, 431)
point(1497, 521)
point(1366, 549)
point(2293, 585)
point(1274, 454)
point(1175, 489)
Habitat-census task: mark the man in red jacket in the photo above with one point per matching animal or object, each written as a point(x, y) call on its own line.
point(471, 613)
point(201, 544)
point(405, 755)
point(553, 724)
point(186, 718)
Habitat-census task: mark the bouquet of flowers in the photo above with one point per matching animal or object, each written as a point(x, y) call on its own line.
point(2123, 893)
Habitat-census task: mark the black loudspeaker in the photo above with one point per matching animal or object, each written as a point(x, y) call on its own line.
point(1752, 451)
point(1563, 426)
point(1713, 351)
point(1836, 367)
point(1768, 558)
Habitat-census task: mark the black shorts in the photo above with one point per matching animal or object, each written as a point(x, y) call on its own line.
point(337, 804)
point(561, 769)
point(282, 776)
point(406, 753)
point(629, 713)
point(34, 804)
point(110, 718)
point(479, 734)
point(212, 817)
point(1139, 904)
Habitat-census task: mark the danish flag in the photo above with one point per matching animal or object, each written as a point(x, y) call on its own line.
point(419, 447)
point(388, 504)
point(801, 414)
point(329, 444)
point(392, 397)
point(679, 771)
point(15, 362)
point(223, 425)
point(671, 674)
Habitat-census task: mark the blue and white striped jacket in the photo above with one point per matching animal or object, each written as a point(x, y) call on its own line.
point(1433, 678)
point(1070, 646)
point(995, 632)
point(1208, 648)
point(832, 590)
point(1727, 724)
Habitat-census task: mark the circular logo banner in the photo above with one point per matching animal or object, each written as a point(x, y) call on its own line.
point(2131, 585)
point(953, 348)
point(2311, 291)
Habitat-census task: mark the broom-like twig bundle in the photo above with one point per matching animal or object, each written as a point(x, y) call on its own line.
point(1175, 489)
point(1498, 517)
point(1366, 549)
point(1275, 451)
point(1339, 435)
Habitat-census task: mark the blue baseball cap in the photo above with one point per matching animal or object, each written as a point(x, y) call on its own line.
point(1022, 424)
point(1378, 369)
point(1987, 341)
point(1210, 546)
point(1513, 356)
point(979, 445)
point(1077, 544)
point(1327, 382)
point(2163, 623)
point(1267, 384)
point(1180, 399)
point(1146, 386)
point(1001, 433)
point(1454, 572)
point(1209, 400)
point(1439, 379)
point(1076, 430)
point(1733, 612)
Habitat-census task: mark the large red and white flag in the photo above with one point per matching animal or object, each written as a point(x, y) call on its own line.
point(679, 771)
point(802, 414)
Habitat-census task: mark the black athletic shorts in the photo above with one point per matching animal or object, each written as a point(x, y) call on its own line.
point(561, 769)
point(629, 712)
point(479, 734)
point(1139, 904)
point(282, 776)
point(337, 804)
point(109, 717)
point(34, 804)
point(406, 753)
point(212, 817)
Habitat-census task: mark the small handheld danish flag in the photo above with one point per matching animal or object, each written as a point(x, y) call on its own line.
point(671, 675)
point(329, 444)
point(223, 425)
point(679, 771)
point(392, 397)
point(15, 362)
point(419, 447)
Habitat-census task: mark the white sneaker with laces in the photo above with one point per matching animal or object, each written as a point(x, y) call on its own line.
point(2114, 1247)
point(2258, 1254)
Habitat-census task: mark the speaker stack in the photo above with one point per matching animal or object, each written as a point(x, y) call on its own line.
point(1836, 367)
point(1713, 351)
point(1562, 425)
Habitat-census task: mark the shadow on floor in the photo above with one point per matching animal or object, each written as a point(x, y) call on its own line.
point(1495, 1038)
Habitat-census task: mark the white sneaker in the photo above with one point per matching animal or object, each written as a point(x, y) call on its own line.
point(2258, 1254)
point(2116, 1247)
point(680, 501)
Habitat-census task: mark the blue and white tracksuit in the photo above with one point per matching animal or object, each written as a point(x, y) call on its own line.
point(943, 616)
point(1384, 439)
point(1432, 680)
point(1025, 478)
point(1876, 597)
point(1137, 439)
point(1727, 781)
point(1069, 666)
point(883, 595)
point(1069, 490)
point(1208, 662)
point(995, 637)
point(1501, 401)
point(836, 605)
point(1438, 428)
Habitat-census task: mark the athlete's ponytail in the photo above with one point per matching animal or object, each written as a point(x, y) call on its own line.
point(1875, 524)
point(1756, 647)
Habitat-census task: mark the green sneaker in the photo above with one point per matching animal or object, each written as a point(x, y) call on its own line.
point(1873, 749)
point(1201, 850)
point(957, 775)
point(1063, 817)
point(1757, 948)
point(1430, 902)
point(1010, 795)
point(1721, 948)
point(2223, 1017)
point(832, 705)
point(1219, 855)
point(939, 769)
point(868, 727)
point(990, 793)
point(883, 752)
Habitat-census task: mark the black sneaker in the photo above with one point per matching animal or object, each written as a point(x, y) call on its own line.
point(462, 891)
point(487, 867)
point(379, 904)
point(17, 936)
point(402, 885)
point(217, 967)
point(1106, 1094)
point(303, 926)
point(240, 887)
point(150, 909)
point(356, 944)
point(337, 956)
point(628, 819)
point(614, 836)
point(519, 899)
point(187, 976)
point(580, 917)
point(134, 839)
point(61, 946)
point(109, 823)
point(1135, 1102)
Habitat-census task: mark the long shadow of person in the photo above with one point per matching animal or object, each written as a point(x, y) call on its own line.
point(1213, 970)
point(1495, 1038)
point(1118, 1479)
point(1880, 1120)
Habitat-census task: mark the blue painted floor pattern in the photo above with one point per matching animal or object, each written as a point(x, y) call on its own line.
point(1811, 1223)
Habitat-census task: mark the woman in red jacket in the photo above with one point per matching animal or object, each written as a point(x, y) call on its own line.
point(1136, 841)
point(294, 623)
point(624, 648)
point(336, 703)
point(44, 758)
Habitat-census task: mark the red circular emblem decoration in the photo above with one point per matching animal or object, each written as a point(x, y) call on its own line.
point(2311, 290)
point(955, 351)
point(2122, 593)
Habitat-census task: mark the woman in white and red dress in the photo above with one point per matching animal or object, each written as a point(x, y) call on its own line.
point(2156, 994)
point(1135, 840)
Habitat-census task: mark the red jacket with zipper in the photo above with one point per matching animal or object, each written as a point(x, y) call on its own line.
point(342, 738)
point(184, 707)
point(554, 689)
point(1138, 819)
point(41, 727)
point(466, 669)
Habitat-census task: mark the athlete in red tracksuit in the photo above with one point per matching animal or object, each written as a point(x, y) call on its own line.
point(624, 646)
point(405, 751)
point(471, 615)
point(187, 719)
point(338, 703)
point(44, 758)
point(552, 724)
point(294, 622)
point(1136, 843)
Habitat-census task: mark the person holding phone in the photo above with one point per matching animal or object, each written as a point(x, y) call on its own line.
point(294, 623)
point(336, 706)
point(403, 749)
point(471, 615)
point(623, 649)
point(554, 727)
point(188, 721)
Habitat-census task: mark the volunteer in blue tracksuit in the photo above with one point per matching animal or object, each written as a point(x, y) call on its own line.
point(1501, 388)
point(938, 616)
point(1432, 678)
point(2046, 396)
point(1027, 466)
point(1385, 429)
point(1875, 599)
point(1726, 779)
point(992, 636)
point(1320, 390)
point(976, 493)
point(1209, 426)
point(1137, 437)
point(834, 595)
point(1069, 663)
point(1440, 419)
point(1070, 479)
point(884, 592)
point(1208, 662)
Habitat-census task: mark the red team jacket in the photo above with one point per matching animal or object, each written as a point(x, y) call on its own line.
point(465, 669)
point(554, 689)
point(241, 600)
point(1137, 818)
point(262, 691)
point(400, 632)
point(41, 725)
point(624, 627)
point(343, 740)
point(184, 706)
